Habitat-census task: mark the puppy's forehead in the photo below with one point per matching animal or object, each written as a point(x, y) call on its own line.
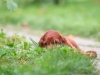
point(52, 33)
point(52, 37)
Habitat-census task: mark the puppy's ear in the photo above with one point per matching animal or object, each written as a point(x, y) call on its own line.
point(41, 43)
point(65, 41)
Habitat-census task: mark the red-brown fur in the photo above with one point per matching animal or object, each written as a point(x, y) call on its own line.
point(51, 37)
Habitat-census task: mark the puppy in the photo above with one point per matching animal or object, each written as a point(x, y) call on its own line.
point(52, 38)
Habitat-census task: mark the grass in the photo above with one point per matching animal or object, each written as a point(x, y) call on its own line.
point(80, 19)
point(26, 58)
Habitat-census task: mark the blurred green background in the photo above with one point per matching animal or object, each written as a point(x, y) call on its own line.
point(76, 17)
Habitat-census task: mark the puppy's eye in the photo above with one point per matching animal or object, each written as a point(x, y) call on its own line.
point(45, 44)
point(55, 42)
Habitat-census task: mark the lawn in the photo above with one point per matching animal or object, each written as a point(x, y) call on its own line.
point(79, 19)
point(19, 57)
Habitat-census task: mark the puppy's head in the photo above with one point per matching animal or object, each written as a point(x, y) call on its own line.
point(51, 39)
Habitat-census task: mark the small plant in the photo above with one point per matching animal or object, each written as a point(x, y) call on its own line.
point(2, 37)
point(14, 40)
point(2, 34)
point(34, 43)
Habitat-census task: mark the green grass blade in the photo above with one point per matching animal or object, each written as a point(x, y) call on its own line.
point(35, 43)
